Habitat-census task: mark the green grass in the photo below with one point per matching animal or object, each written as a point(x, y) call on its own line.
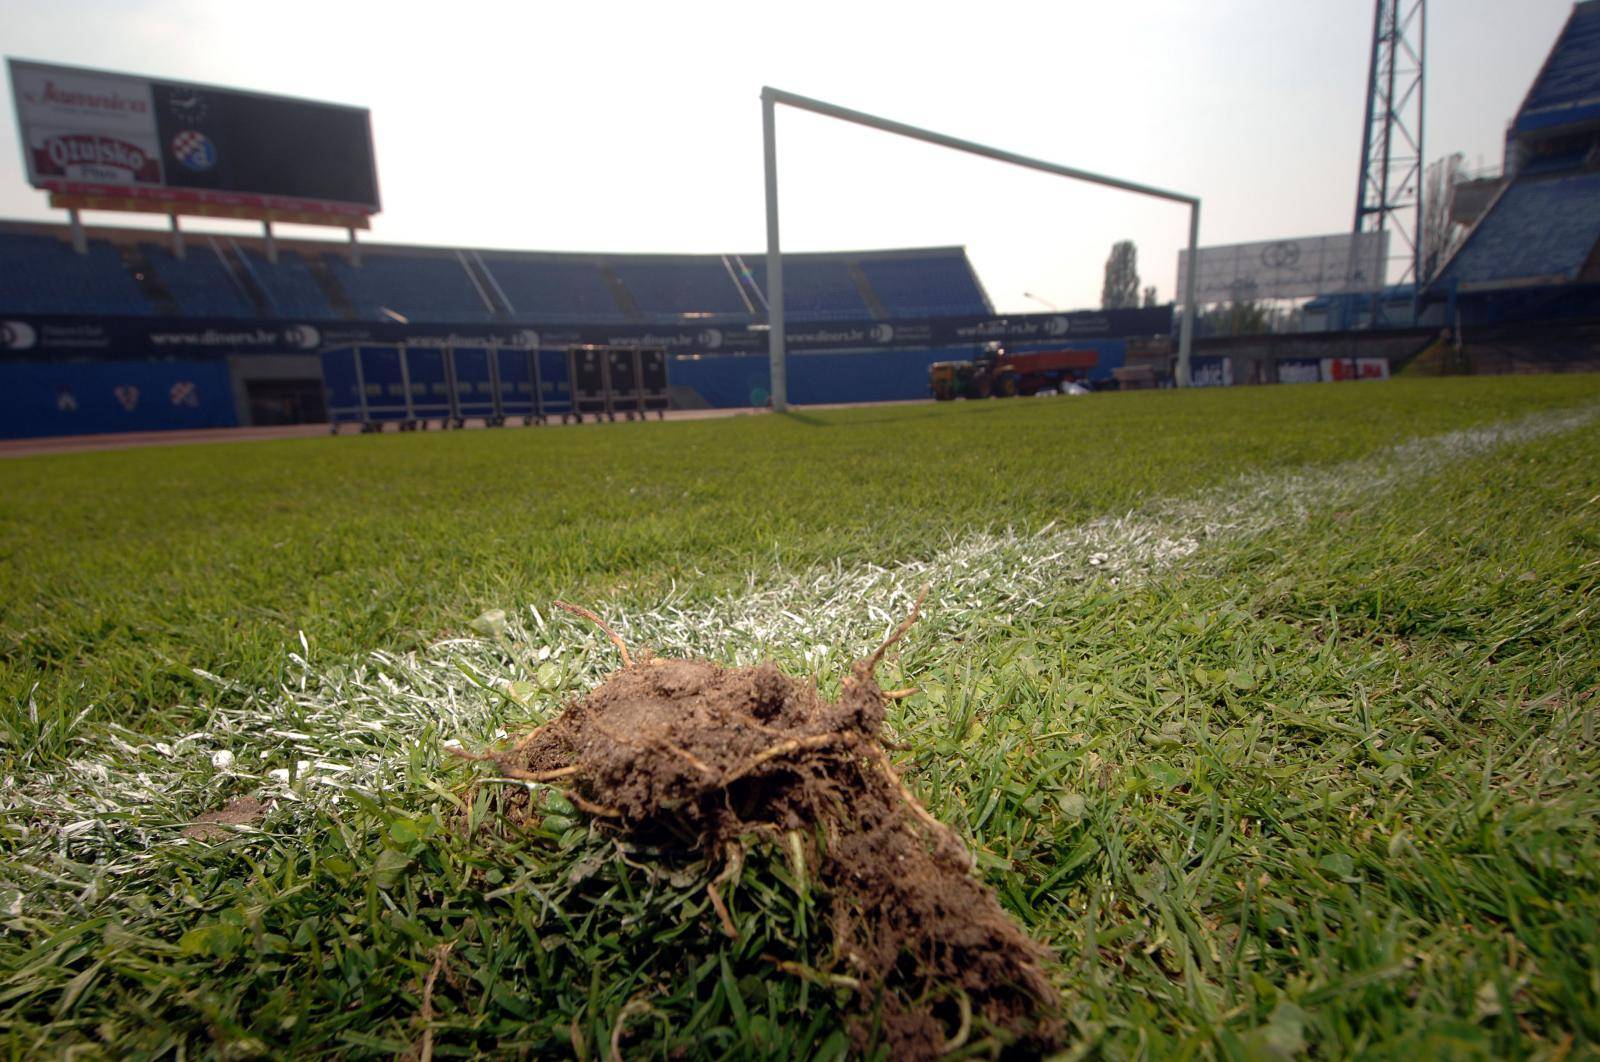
point(121, 572)
point(1330, 784)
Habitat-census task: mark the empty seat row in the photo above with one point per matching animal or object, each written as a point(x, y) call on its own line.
point(418, 287)
point(43, 274)
point(199, 282)
point(552, 290)
point(225, 277)
point(925, 286)
point(1539, 228)
point(1564, 93)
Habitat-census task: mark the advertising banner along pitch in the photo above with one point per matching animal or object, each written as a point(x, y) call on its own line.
point(35, 336)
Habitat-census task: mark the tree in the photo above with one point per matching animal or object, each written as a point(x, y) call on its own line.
point(1241, 317)
point(1150, 297)
point(1121, 290)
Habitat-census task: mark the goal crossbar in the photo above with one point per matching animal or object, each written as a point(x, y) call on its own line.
point(771, 98)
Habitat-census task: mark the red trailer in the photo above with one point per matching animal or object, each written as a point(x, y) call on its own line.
point(1003, 374)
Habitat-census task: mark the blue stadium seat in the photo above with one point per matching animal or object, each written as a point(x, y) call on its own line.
point(290, 288)
point(1539, 228)
point(416, 285)
point(42, 274)
point(1555, 162)
point(198, 282)
point(224, 276)
point(674, 287)
point(925, 286)
point(815, 287)
point(553, 290)
point(1568, 87)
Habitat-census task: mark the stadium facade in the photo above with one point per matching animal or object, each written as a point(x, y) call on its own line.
point(130, 335)
point(1533, 251)
point(112, 329)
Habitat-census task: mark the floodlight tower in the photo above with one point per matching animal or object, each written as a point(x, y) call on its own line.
point(1389, 193)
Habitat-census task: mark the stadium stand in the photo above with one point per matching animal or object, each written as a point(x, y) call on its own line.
point(816, 287)
point(42, 274)
point(1535, 245)
point(289, 289)
point(1541, 230)
point(1567, 89)
point(926, 285)
point(699, 286)
point(135, 272)
point(1506, 349)
point(416, 285)
point(199, 283)
point(554, 289)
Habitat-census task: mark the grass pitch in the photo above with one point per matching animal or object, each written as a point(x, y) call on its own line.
point(1281, 737)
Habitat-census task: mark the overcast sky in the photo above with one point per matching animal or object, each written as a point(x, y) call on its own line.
point(636, 127)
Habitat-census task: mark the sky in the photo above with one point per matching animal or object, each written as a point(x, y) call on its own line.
point(637, 126)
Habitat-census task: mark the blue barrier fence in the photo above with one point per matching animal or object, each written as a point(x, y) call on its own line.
point(90, 398)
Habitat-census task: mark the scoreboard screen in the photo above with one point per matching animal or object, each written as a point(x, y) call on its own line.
point(178, 145)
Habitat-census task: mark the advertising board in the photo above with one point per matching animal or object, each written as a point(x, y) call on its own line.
point(152, 144)
point(1288, 269)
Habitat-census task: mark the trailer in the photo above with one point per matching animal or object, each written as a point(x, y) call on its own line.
point(638, 379)
point(999, 373)
point(376, 384)
point(427, 385)
point(518, 390)
point(589, 375)
point(368, 384)
point(622, 381)
point(554, 380)
point(472, 385)
point(628, 380)
point(653, 394)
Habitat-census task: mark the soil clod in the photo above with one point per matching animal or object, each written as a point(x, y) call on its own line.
point(697, 756)
point(213, 825)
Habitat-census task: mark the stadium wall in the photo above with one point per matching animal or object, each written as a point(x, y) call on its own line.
point(1256, 359)
point(829, 377)
point(726, 366)
point(98, 397)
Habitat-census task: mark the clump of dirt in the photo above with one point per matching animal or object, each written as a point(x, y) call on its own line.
point(699, 755)
point(213, 825)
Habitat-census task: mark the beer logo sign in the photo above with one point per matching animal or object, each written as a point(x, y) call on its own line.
point(94, 157)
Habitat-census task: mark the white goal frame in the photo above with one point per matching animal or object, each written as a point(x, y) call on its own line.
point(771, 98)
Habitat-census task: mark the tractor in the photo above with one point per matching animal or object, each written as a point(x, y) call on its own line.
point(996, 373)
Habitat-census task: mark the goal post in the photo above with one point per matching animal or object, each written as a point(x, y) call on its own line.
point(771, 98)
